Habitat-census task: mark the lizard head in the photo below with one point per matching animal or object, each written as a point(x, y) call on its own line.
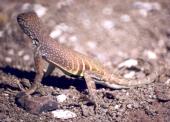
point(31, 25)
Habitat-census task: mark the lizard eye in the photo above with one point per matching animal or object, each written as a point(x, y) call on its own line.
point(35, 42)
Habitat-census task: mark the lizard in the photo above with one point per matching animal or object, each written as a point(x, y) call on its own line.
point(69, 61)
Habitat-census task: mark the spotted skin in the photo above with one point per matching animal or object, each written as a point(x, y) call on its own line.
point(67, 60)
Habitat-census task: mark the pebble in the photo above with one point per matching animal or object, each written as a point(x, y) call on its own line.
point(39, 9)
point(128, 63)
point(129, 106)
point(108, 24)
point(167, 81)
point(11, 52)
point(63, 114)
point(143, 12)
point(145, 7)
point(148, 6)
point(73, 38)
point(125, 18)
point(20, 53)
point(1, 33)
point(55, 33)
point(91, 44)
point(61, 98)
point(129, 75)
point(8, 59)
point(150, 54)
point(59, 29)
point(62, 39)
point(26, 57)
point(26, 6)
point(117, 106)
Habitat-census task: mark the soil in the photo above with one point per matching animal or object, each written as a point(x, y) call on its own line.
point(111, 31)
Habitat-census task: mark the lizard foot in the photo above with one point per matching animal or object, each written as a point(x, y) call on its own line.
point(35, 105)
point(92, 101)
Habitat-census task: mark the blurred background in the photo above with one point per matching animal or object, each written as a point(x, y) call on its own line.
point(108, 30)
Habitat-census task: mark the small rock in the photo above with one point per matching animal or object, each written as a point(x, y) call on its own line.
point(39, 9)
point(143, 12)
point(20, 53)
point(61, 98)
point(145, 7)
point(108, 24)
point(35, 105)
point(128, 63)
point(62, 39)
point(125, 18)
point(91, 44)
point(129, 106)
point(26, 57)
point(11, 52)
point(26, 6)
point(8, 59)
point(64, 27)
point(63, 114)
point(117, 106)
point(148, 6)
point(129, 75)
point(55, 33)
point(150, 54)
point(73, 38)
point(167, 81)
point(1, 33)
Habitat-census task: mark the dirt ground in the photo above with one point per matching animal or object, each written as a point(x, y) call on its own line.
point(111, 31)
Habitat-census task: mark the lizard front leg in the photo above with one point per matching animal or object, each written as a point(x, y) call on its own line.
point(39, 63)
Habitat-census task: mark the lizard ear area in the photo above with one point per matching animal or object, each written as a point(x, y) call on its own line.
point(35, 42)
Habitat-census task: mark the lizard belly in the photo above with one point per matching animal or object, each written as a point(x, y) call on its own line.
point(63, 69)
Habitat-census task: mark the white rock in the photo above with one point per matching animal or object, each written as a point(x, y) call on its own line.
point(61, 98)
point(117, 106)
point(128, 63)
point(63, 27)
point(73, 38)
point(62, 39)
point(26, 57)
point(108, 24)
point(148, 6)
point(59, 30)
point(150, 54)
point(91, 44)
point(8, 59)
point(125, 18)
point(167, 81)
point(129, 106)
point(63, 114)
point(20, 53)
point(11, 52)
point(129, 75)
point(142, 5)
point(143, 12)
point(145, 7)
point(26, 6)
point(55, 33)
point(39, 9)
point(1, 33)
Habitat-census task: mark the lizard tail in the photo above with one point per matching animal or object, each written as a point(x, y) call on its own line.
point(127, 83)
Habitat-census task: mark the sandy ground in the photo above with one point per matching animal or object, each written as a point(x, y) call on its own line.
point(111, 31)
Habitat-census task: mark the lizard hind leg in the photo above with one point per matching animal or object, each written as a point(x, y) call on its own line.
point(91, 86)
